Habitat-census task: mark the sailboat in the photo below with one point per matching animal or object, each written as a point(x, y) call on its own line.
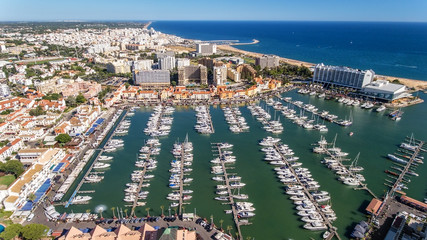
point(353, 167)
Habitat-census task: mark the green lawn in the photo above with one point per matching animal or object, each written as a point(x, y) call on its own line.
point(7, 180)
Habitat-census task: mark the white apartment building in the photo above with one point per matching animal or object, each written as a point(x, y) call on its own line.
point(220, 75)
point(182, 62)
point(142, 65)
point(167, 63)
point(4, 90)
point(205, 49)
point(342, 76)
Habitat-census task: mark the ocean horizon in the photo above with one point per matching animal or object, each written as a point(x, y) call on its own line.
point(389, 48)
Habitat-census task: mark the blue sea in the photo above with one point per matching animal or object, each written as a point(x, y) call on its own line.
point(395, 49)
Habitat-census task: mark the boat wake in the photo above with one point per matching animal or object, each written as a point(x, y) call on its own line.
point(405, 66)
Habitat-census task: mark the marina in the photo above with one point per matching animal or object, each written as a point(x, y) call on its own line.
point(266, 193)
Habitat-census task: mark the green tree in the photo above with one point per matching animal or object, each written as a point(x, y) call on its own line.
point(13, 230)
point(71, 101)
point(63, 138)
point(34, 231)
point(80, 99)
point(12, 166)
point(37, 111)
point(31, 197)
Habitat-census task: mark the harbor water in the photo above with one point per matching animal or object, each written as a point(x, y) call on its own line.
point(375, 135)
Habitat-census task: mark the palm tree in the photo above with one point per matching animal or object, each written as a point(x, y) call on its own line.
point(229, 228)
point(87, 210)
point(163, 208)
point(237, 235)
point(248, 238)
point(31, 197)
point(174, 210)
point(113, 210)
point(126, 212)
point(148, 212)
point(220, 223)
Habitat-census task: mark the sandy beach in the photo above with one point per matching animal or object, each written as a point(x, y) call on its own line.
point(410, 83)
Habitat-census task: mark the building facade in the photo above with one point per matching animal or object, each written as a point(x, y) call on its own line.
point(142, 65)
point(182, 62)
point(342, 76)
point(152, 78)
point(384, 90)
point(233, 74)
point(167, 63)
point(267, 61)
point(118, 67)
point(220, 75)
point(192, 73)
point(4, 90)
point(205, 49)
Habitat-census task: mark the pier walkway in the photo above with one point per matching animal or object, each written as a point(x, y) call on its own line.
point(336, 121)
point(141, 181)
point(328, 223)
point(360, 186)
point(230, 194)
point(210, 118)
point(181, 179)
point(406, 168)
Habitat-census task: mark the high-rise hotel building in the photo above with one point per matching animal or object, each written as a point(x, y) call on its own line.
point(342, 76)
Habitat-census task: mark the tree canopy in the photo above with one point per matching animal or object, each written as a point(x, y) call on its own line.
point(80, 99)
point(37, 111)
point(11, 231)
point(34, 231)
point(12, 166)
point(63, 138)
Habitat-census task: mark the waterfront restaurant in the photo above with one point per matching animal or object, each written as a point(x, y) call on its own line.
point(384, 90)
point(374, 207)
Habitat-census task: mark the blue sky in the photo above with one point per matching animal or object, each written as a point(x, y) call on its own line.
point(317, 10)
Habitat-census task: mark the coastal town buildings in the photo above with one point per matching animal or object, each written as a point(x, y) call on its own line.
point(384, 90)
point(182, 62)
point(233, 74)
point(4, 90)
point(192, 74)
point(167, 63)
point(342, 76)
point(152, 78)
point(13, 146)
point(141, 65)
point(246, 71)
point(220, 75)
point(119, 66)
point(35, 180)
point(205, 49)
point(267, 61)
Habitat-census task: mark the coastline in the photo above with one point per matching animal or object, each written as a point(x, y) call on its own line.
point(410, 83)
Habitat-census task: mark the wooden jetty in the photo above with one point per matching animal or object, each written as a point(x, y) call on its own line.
point(230, 195)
